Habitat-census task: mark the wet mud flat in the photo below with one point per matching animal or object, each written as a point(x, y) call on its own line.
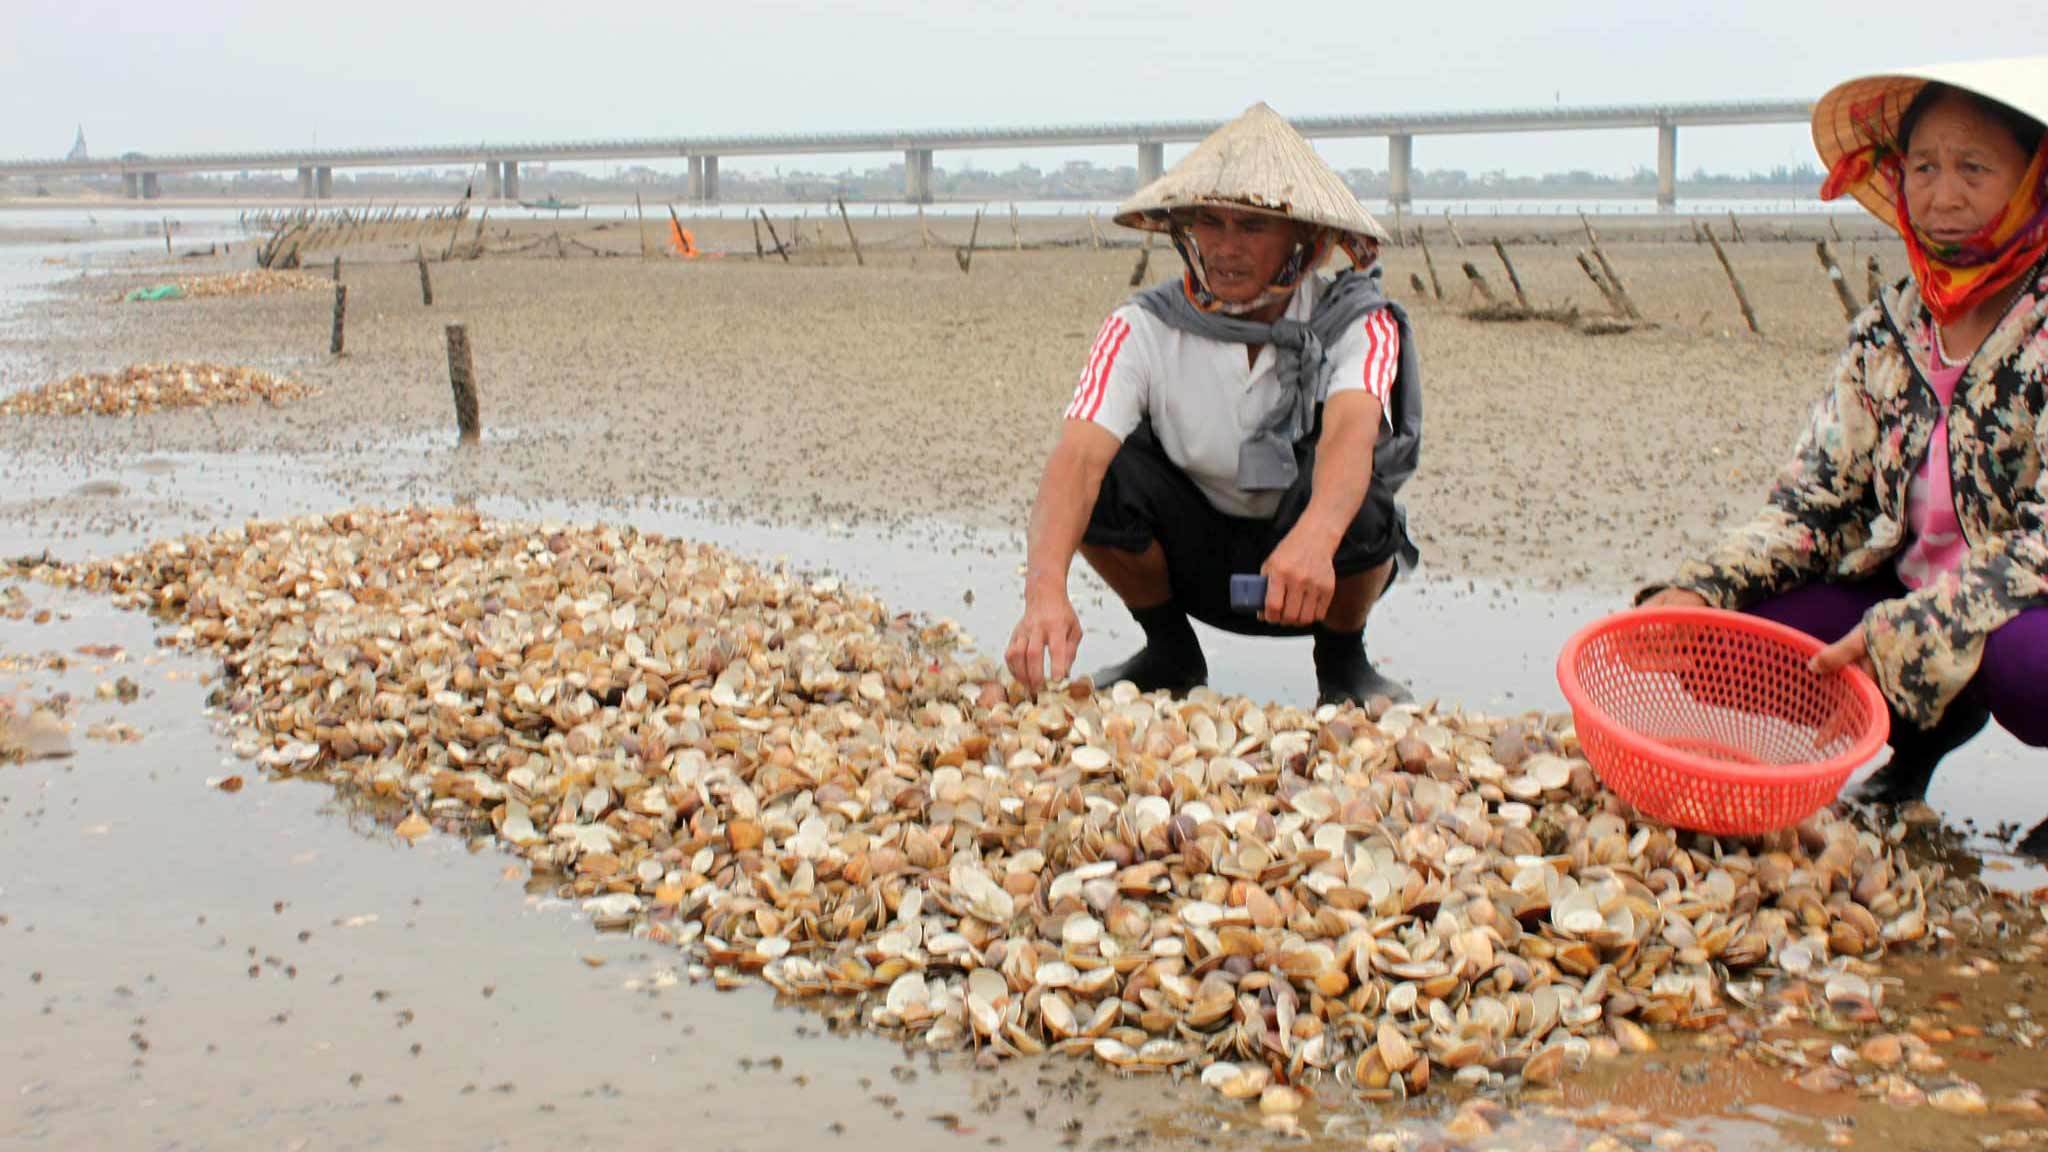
point(120, 850)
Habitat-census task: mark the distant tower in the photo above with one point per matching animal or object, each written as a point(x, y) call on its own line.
point(78, 146)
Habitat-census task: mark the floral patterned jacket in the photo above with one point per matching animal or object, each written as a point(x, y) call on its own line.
point(1838, 510)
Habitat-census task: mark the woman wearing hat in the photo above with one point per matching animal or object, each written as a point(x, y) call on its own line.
point(1910, 530)
point(1250, 418)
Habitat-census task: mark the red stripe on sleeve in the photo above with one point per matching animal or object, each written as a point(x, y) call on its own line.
point(1087, 379)
point(1101, 385)
point(1382, 354)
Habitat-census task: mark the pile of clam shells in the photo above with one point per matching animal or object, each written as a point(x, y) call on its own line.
point(141, 388)
point(787, 780)
point(251, 282)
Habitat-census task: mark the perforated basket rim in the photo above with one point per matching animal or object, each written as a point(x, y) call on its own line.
point(1769, 775)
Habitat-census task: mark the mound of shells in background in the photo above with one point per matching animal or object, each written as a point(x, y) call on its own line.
point(251, 282)
point(141, 388)
point(783, 778)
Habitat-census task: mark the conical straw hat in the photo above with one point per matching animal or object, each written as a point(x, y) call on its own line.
point(1867, 111)
point(1257, 163)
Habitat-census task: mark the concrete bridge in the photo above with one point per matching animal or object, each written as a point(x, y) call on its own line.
point(140, 173)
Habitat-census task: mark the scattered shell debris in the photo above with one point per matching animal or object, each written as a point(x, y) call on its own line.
point(788, 781)
point(250, 282)
point(141, 388)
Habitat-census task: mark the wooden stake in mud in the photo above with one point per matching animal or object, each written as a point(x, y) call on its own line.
point(167, 235)
point(1874, 278)
point(850, 237)
point(1479, 284)
point(641, 216)
point(1016, 236)
point(340, 318)
point(1500, 250)
point(1094, 233)
point(1734, 227)
point(1741, 297)
point(924, 233)
point(777, 240)
point(426, 282)
point(965, 256)
point(337, 270)
point(759, 253)
point(1436, 286)
point(1453, 226)
point(462, 379)
point(1592, 273)
point(1834, 231)
point(1144, 262)
point(476, 242)
point(1415, 282)
point(1835, 277)
point(1619, 296)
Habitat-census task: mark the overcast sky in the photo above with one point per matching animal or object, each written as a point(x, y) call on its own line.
point(242, 74)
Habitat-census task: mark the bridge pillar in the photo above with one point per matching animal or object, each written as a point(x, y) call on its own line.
point(711, 179)
point(1400, 164)
point(1667, 167)
point(917, 175)
point(511, 180)
point(323, 183)
point(1151, 162)
point(131, 185)
point(150, 189)
point(305, 183)
point(696, 188)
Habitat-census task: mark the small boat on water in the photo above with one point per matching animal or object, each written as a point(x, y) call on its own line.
point(551, 204)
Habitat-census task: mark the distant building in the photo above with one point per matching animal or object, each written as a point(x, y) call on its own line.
point(78, 146)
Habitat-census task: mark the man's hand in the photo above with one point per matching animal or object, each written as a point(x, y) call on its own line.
point(1300, 580)
point(1675, 598)
point(1850, 649)
point(1049, 630)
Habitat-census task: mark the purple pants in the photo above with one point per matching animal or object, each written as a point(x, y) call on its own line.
point(2011, 682)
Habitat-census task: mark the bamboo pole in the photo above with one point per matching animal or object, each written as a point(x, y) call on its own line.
point(640, 214)
point(1453, 226)
point(426, 282)
point(1479, 284)
point(965, 256)
point(777, 240)
point(1734, 227)
point(340, 318)
point(1741, 297)
point(924, 232)
point(1835, 277)
point(1592, 273)
point(1436, 286)
point(462, 381)
point(1514, 280)
point(1620, 297)
point(850, 237)
point(759, 253)
point(1094, 233)
point(167, 235)
point(1016, 235)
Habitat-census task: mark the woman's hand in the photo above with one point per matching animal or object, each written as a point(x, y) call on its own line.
point(1850, 649)
point(1675, 598)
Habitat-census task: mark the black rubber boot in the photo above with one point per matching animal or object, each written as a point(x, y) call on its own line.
point(2035, 843)
point(1917, 751)
point(1170, 660)
point(1344, 674)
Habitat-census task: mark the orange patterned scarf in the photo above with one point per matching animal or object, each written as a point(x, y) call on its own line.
point(1955, 278)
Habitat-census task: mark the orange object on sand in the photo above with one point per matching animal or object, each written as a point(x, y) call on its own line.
point(680, 239)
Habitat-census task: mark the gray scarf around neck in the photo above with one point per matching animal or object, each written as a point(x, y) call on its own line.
point(1267, 459)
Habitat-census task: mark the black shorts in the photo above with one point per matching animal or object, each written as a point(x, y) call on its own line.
point(1145, 497)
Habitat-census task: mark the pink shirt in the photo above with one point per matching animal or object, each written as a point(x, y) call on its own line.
point(1934, 542)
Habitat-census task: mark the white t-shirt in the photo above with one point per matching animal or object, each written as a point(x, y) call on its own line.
point(1204, 400)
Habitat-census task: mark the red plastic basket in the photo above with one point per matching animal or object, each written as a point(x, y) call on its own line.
point(1712, 720)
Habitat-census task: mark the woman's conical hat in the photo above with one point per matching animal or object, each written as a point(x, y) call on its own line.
point(1257, 163)
point(1867, 110)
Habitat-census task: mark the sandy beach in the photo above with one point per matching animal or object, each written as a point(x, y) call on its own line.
point(185, 968)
